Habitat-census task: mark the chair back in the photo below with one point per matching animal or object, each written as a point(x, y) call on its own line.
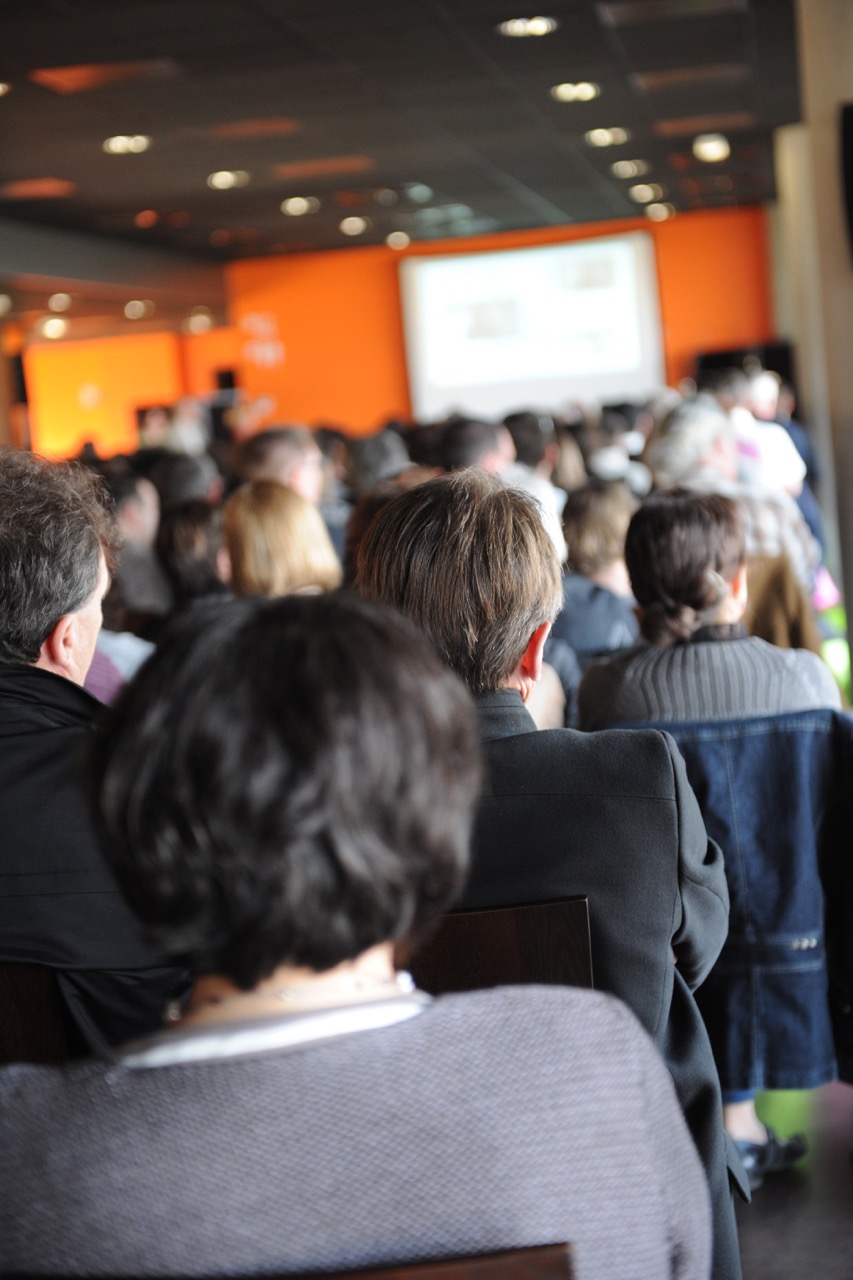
point(541, 1262)
point(32, 1021)
point(544, 942)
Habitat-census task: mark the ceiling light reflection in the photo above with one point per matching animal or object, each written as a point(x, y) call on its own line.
point(713, 148)
point(521, 28)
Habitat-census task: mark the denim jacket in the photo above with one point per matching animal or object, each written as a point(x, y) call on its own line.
point(775, 794)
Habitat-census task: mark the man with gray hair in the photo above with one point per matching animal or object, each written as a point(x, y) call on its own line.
point(695, 447)
point(59, 907)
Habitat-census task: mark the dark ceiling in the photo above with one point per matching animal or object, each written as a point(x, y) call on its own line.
point(416, 115)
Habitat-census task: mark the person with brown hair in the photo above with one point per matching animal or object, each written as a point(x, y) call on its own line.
point(686, 558)
point(277, 542)
point(598, 615)
point(610, 817)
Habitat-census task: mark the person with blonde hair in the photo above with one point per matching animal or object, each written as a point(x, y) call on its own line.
point(277, 542)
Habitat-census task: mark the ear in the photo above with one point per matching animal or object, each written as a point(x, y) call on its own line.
point(529, 667)
point(59, 650)
point(738, 586)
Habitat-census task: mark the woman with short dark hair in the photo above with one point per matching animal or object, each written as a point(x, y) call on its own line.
point(286, 792)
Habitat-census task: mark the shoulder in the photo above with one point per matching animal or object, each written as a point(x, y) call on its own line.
point(611, 761)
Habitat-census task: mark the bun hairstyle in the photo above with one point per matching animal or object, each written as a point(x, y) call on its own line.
point(683, 551)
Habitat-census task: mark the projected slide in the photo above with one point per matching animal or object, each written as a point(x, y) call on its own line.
point(491, 332)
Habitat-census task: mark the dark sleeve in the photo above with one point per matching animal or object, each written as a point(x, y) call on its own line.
point(108, 1008)
point(704, 925)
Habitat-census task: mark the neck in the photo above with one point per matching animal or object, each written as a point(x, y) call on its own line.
point(293, 988)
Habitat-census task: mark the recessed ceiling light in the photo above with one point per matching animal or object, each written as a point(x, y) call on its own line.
point(583, 91)
point(419, 192)
point(643, 192)
point(354, 226)
point(520, 28)
point(54, 327)
point(398, 240)
point(199, 320)
point(146, 218)
point(630, 168)
point(124, 144)
point(660, 212)
point(711, 147)
point(59, 301)
point(5, 88)
point(5, 304)
point(138, 308)
point(607, 137)
point(225, 179)
point(297, 206)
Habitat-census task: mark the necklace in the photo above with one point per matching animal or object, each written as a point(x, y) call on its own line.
point(347, 989)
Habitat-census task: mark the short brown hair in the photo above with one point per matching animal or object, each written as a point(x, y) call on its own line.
point(470, 563)
point(595, 521)
point(277, 542)
point(682, 551)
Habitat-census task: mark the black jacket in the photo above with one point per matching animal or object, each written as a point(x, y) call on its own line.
point(612, 815)
point(59, 905)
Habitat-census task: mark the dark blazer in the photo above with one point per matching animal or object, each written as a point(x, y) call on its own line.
point(611, 815)
point(59, 905)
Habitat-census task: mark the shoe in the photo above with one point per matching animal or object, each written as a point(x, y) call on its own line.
point(773, 1156)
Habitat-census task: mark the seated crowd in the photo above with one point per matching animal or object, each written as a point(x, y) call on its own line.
point(295, 780)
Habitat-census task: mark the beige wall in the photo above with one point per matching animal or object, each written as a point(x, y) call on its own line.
point(813, 271)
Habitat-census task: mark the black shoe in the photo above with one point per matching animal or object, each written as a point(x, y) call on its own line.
point(773, 1156)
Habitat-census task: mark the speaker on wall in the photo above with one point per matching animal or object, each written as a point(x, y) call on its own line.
point(776, 356)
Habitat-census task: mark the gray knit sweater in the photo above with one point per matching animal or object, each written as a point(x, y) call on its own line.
point(705, 680)
point(520, 1116)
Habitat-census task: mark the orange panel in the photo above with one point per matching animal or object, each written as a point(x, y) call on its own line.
point(321, 334)
point(81, 391)
point(203, 354)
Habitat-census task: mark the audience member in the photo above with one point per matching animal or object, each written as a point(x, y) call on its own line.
point(767, 456)
point(686, 557)
point(469, 442)
point(598, 613)
point(687, 562)
point(694, 447)
point(289, 455)
point(307, 1110)
point(277, 542)
point(58, 904)
point(191, 547)
point(139, 577)
point(611, 817)
point(536, 455)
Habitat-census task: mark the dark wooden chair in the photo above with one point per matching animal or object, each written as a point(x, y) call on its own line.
point(547, 942)
point(539, 1262)
point(542, 1262)
point(33, 1024)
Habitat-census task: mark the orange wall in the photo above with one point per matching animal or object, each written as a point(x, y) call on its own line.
point(88, 390)
point(321, 334)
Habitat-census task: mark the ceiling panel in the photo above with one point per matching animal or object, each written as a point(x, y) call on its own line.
point(424, 92)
